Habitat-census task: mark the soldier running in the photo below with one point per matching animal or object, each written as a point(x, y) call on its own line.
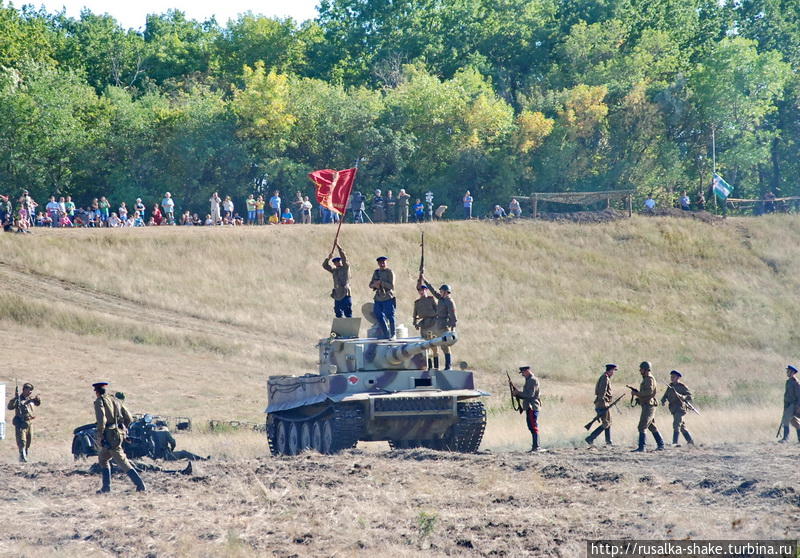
point(530, 403)
point(445, 316)
point(602, 400)
point(382, 283)
point(646, 397)
point(340, 271)
point(678, 395)
point(425, 319)
point(113, 420)
point(21, 405)
point(791, 404)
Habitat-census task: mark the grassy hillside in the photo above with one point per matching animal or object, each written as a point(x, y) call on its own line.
point(192, 321)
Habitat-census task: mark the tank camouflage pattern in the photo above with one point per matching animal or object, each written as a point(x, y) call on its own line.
point(374, 389)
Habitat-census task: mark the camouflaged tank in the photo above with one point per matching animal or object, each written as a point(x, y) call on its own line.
point(374, 389)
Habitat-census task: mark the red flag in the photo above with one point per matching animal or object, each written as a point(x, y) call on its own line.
point(334, 187)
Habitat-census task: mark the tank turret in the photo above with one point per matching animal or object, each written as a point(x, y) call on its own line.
point(353, 355)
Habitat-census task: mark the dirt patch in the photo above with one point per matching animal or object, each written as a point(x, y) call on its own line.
point(605, 216)
point(703, 216)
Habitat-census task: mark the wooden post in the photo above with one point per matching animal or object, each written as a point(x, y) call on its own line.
point(535, 204)
point(630, 205)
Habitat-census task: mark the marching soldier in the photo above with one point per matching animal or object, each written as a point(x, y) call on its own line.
point(340, 271)
point(602, 400)
point(445, 316)
point(791, 404)
point(113, 420)
point(529, 396)
point(646, 397)
point(382, 283)
point(21, 405)
point(425, 319)
point(678, 395)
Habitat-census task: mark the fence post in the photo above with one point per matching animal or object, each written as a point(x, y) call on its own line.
point(535, 198)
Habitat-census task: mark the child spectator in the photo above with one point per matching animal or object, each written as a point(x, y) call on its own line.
point(139, 206)
point(105, 207)
point(227, 208)
point(123, 212)
point(260, 203)
point(114, 221)
point(138, 221)
point(69, 207)
point(157, 218)
point(64, 220)
point(305, 211)
point(419, 211)
point(286, 217)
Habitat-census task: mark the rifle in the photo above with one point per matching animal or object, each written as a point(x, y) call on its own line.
point(606, 410)
point(422, 261)
point(688, 404)
point(634, 390)
point(515, 403)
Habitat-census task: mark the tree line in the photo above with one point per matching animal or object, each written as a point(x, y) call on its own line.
point(499, 97)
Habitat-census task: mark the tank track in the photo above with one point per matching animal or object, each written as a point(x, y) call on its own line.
point(347, 426)
point(464, 436)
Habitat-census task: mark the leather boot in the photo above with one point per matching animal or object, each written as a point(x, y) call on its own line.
point(137, 480)
point(106, 473)
point(641, 442)
point(676, 436)
point(595, 433)
point(608, 437)
point(688, 437)
point(535, 442)
point(436, 363)
point(447, 361)
point(659, 440)
point(23, 456)
point(785, 435)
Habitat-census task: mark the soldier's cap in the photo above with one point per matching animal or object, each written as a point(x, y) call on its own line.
point(422, 287)
point(27, 386)
point(676, 373)
point(336, 259)
point(381, 258)
point(646, 365)
point(611, 366)
point(119, 395)
point(792, 369)
point(445, 288)
point(524, 368)
point(99, 384)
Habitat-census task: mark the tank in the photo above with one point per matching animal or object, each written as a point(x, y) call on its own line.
point(374, 389)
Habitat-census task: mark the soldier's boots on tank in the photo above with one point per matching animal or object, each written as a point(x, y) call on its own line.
point(106, 487)
point(688, 437)
point(659, 440)
point(640, 448)
point(436, 363)
point(137, 480)
point(595, 433)
point(608, 437)
point(785, 435)
point(447, 361)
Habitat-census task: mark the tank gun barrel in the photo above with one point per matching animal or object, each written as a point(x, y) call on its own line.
point(398, 354)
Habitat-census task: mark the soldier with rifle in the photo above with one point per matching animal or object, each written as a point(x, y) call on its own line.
point(113, 420)
point(340, 271)
point(529, 396)
point(680, 401)
point(382, 282)
point(446, 318)
point(21, 405)
point(791, 405)
point(645, 397)
point(602, 405)
point(425, 307)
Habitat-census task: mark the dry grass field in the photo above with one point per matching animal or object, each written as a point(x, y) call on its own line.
point(192, 321)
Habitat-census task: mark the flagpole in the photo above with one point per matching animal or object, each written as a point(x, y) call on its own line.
point(341, 219)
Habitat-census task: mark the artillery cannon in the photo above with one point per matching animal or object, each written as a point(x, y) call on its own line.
point(374, 389)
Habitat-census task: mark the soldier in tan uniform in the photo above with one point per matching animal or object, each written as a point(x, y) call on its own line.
point(425, 320)
point(646, 398)
point(382, 283)
point(21, 405)
point(340, 271)
point(113, 420)
point(531, 403)
point(791, 404)
point(602, 400)
point(678, 395)
point(446, 318)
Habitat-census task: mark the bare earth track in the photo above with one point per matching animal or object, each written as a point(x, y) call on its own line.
point(406, 503)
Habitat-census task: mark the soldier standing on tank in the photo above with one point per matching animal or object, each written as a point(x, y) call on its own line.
point(382, 283)
point(425, 319)
point(646, 398)
point(445, 316)
point(113, 420)
point(791, 404)
point(678, 395)
point(529, 396)
point(602, 400)
point(340, 271)
point(21, 405)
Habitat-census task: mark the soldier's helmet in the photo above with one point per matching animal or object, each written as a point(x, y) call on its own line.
point(27, 386)
point(645, 365)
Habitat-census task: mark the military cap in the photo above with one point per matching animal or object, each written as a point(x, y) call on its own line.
point(445, 288)
point(422, 287)
point(646, 365)
point(792, 369)
point(99, 384)
point(610, 366)
point(381, 258)
point(27, 386)
point(336, 259)
point(678, 374)
point(524, 368)
point(120, 395)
